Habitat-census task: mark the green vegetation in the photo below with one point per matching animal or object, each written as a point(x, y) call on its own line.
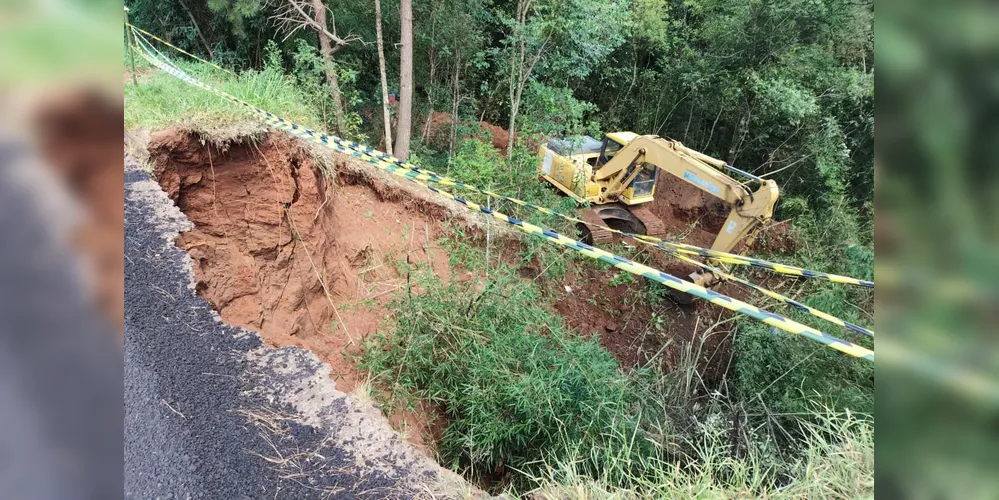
point(837, 461)
point(515, 384)
point(163, 100)
point(522, 394)
point(788, 374)
point(784, 89)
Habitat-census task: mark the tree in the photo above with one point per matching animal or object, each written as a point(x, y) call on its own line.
point(293, 16)
point(237, 12)
point(197, 28)
point(521, 66)
point(565, 39)
point(381, 67)
point(405, 125)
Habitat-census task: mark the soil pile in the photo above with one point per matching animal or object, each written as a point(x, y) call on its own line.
point(439, 129)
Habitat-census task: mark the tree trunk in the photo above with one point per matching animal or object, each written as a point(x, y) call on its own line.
point(386, 116)
point(197, 29)
point(514, 77)
point(518, 76)
point(455, 101)
point(432, 51)
point(513, 108)
point(405, 125)
point(327, 52)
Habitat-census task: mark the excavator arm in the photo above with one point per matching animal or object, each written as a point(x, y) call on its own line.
point(749, 208)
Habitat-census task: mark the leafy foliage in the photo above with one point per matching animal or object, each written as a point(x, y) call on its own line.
point(512, 381)
point(308, 71)
point(786, 375)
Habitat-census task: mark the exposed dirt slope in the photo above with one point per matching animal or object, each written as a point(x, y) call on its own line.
point(304, 260)
point(282, 250)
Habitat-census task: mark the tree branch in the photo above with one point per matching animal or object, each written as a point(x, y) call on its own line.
point(294, 17)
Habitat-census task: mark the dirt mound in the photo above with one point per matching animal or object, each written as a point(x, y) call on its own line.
point(281, 249)
point(694, 217)
point(440, 131)
point(688, 213)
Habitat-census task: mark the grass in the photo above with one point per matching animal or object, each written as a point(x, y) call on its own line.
point(162, 100)
point(524, 395)
point(837, 463)
point(511, 379)
point(786, 374)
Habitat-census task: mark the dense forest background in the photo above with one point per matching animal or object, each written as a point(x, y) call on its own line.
point(778, 88)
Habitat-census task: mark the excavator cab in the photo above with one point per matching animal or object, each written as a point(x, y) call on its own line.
point(643, 187)
point(643, 183)
point(608, 147)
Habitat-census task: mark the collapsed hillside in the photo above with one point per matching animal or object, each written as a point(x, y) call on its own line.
point(310, 253)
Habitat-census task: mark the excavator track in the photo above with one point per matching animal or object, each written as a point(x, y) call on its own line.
point(593, 234)
point(654, 226)
point(639, 220)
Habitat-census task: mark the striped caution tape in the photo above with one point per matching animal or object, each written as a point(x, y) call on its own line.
point(781, 298)
point(716, 255)
point(178, 49)
point(624, 264)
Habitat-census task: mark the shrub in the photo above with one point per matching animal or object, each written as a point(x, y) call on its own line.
point(786, 373)
point(514, 385)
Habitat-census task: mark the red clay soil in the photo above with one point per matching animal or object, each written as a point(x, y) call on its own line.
point(695, 217)
point(440, 131)
point(688, 212)
point(639, 333)
point(627, 325)
point(280, 249)
point(77, 134)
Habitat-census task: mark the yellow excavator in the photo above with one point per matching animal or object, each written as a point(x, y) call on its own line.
point(617, 176)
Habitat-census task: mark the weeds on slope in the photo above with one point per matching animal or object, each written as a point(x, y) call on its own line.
point(162, 100)
point(837, 463)
point(787, 374)
point(522, 395)
point(511, 380)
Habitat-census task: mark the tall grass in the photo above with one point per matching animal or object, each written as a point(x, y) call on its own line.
point(523, 395)
point(837, 463)
point(784, 374)
point(511, 380)
point(161, 100)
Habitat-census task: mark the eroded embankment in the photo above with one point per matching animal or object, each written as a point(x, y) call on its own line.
point(311, 253)
point(282, 248)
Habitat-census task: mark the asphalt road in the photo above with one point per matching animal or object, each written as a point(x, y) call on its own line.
point(211, 413)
